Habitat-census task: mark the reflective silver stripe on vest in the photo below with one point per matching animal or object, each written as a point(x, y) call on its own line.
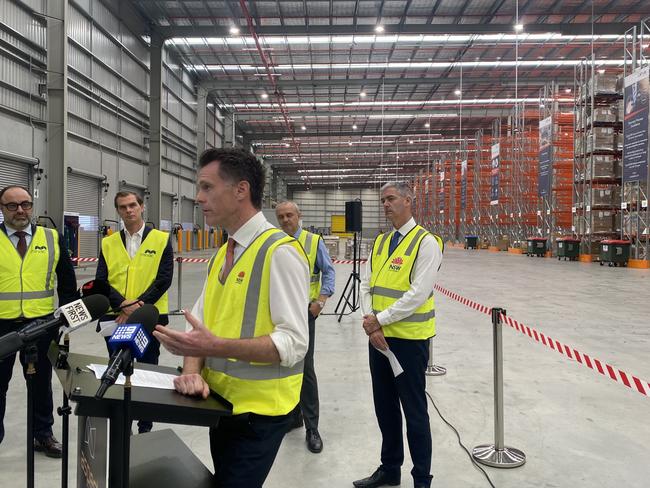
point(255, 284)
point(246, 371)
point(416, 317)
point(210, 263)
point(382, 242)
point(49, 238)
point(390, 292)
point(315, 278)
point(308, 238)
point(27, 295)
point(415, 240)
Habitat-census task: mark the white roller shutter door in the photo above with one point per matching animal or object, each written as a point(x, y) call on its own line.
point(166, 211)
point(83, 198)
point(187, 214)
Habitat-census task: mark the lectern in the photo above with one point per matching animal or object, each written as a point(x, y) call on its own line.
point(158, 458)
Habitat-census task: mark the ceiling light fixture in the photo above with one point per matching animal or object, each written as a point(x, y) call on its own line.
point(362, 94)
point(457, 92)
point(519, 27)
point(427, 125)
point(303, 127)
point(234, 30)
point(379, 29)
point(265, 95)
point(354, 126)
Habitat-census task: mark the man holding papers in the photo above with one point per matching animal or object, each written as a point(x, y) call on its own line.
point(399, 319)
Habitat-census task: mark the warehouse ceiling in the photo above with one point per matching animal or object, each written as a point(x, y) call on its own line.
point(340, 92)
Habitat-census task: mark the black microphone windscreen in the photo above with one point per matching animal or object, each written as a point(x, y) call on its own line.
point(95, 287)
point(97, 305)
point(147, 315)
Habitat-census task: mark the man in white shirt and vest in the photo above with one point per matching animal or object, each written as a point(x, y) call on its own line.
point(247, 334)
point(32, 257)
point(138, 264)
point(321, 288)
point(399, 315)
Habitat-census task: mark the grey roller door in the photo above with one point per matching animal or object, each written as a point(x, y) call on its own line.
point(166, 211)
point(187, 214)
point(12, 173)
point(83, 198)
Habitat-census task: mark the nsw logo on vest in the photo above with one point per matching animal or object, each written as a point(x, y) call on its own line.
point(149, 253)
point(396, 264)
point(240, 277)
point(40, 249)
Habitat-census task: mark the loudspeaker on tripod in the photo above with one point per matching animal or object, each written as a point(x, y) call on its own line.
point(353, 221)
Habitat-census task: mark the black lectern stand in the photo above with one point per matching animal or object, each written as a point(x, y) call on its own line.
point(149, 452)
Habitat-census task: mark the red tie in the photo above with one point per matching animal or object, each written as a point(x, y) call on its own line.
point(21, 247)
point(230, 257)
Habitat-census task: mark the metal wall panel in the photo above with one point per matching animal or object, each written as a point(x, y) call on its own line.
point(83, 198)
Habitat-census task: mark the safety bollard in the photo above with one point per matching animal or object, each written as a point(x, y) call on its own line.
point(498, 455)
point(433, 369)
point(179, 310)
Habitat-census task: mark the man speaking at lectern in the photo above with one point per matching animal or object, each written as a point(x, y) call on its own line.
point(247, 334)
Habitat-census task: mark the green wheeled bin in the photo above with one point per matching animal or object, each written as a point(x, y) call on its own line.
point(536, 246)
point(568, 248)
point(614, 252)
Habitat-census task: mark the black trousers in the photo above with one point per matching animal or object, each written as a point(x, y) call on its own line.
point(243, 448)
point(150, 356)
point(407, 390)
point(43, 403)
point(309, 393)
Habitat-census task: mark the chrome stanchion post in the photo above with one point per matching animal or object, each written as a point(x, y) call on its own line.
point(498, 455)
point(179, 290)
point(433, 369)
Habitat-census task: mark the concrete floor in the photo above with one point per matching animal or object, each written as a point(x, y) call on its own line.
point(576, 427)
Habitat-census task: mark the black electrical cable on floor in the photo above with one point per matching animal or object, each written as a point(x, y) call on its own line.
point(460, 443)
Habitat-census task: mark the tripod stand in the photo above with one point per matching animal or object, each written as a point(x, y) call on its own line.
point(351, 296)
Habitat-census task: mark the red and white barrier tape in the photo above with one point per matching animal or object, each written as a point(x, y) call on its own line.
point(346, 261)
point(192, 260)
point(84, 260)
point(594, 364)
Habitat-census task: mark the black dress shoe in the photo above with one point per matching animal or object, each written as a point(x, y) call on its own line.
point(50, 446)
point(314, 442)
point(377, 479)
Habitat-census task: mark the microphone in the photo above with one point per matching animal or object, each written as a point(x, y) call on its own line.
point(72, 316)
point(128, 341)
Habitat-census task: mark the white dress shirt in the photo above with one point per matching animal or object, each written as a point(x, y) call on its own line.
point(133, 241)
point(289, 291)
point(11, 234)
point(425, 270)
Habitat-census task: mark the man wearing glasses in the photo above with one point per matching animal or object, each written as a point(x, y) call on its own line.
point(31, 258)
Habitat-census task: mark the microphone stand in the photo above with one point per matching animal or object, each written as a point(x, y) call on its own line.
point(64, 411)
point(126, 429)
point(31, 358)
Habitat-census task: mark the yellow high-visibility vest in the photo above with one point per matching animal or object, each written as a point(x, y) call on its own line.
point(391, 278)
point(27, 285)
point(240, 309)
point(309, 243)
point(132, 277)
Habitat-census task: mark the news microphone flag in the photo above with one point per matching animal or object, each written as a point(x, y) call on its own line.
point(132, 336)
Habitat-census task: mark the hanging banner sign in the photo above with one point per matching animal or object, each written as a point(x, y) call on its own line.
point(545, 157)
point(463, 184)
point(636, 98)
point(494, 172)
